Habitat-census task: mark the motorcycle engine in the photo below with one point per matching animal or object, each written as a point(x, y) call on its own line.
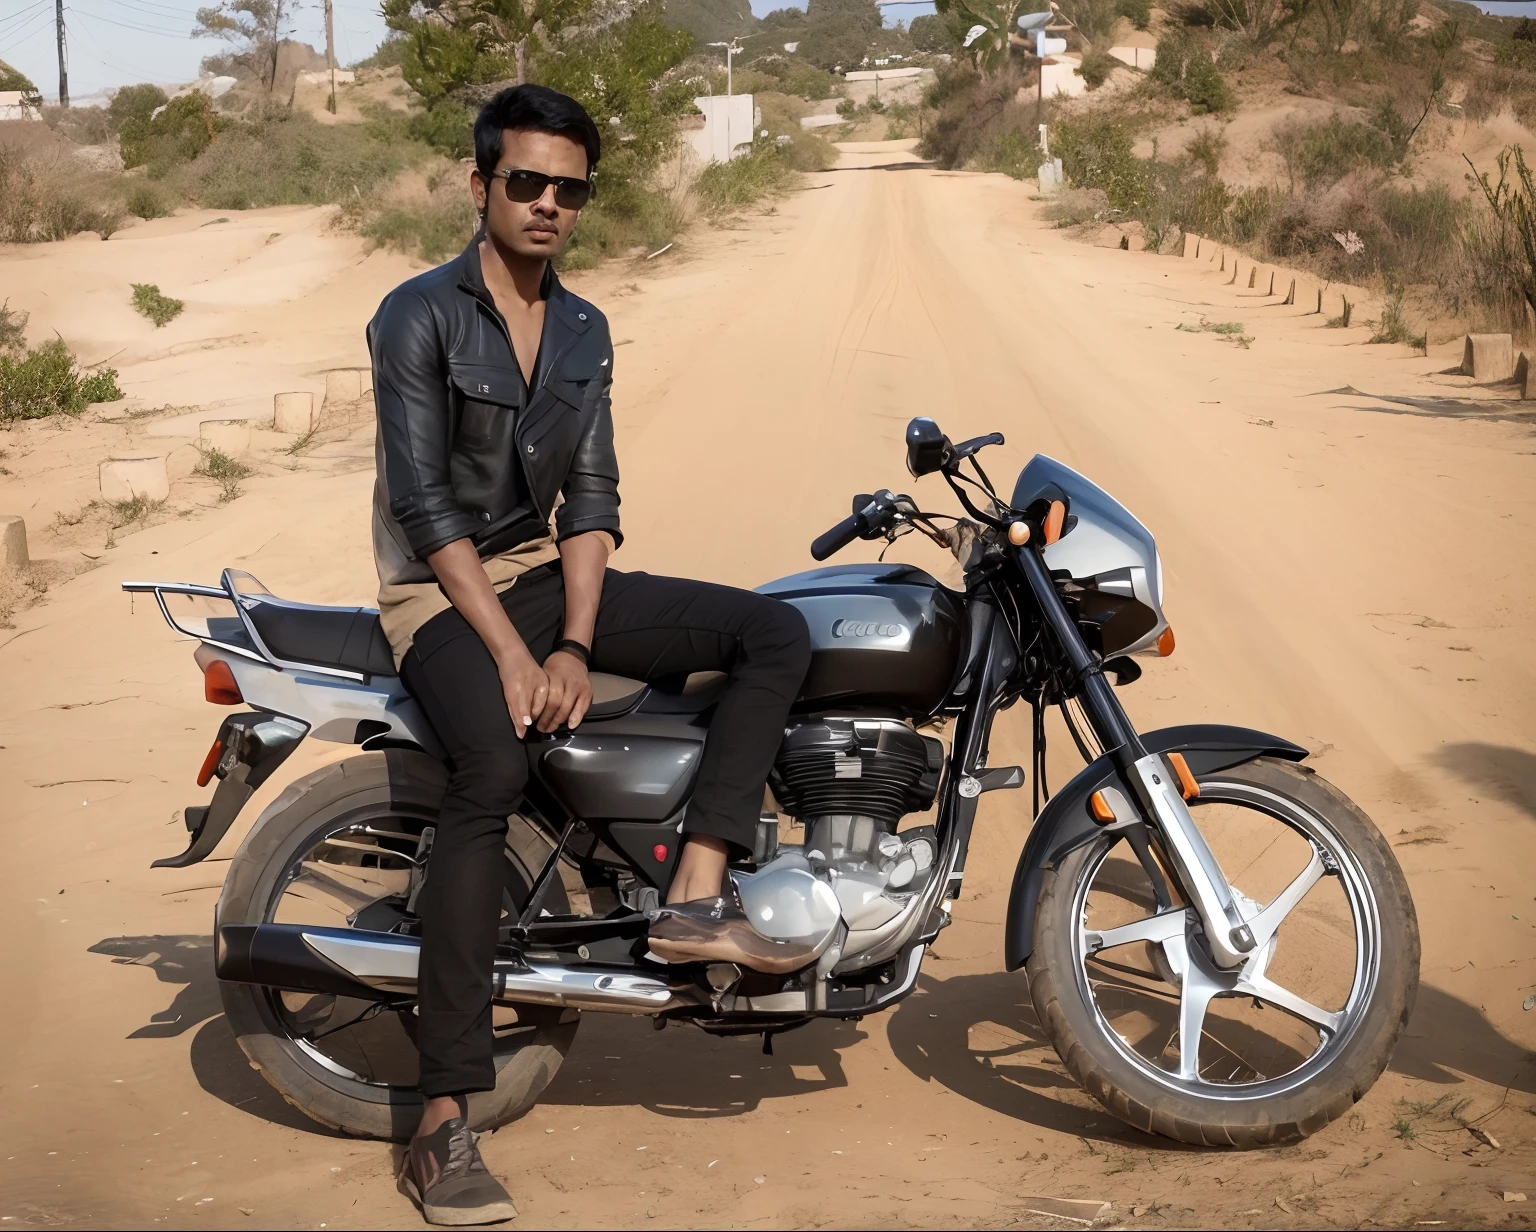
point(850, 781)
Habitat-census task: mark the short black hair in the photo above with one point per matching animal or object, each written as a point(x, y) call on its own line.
point(536, 109)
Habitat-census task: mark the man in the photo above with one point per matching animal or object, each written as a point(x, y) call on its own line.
point(496, 508)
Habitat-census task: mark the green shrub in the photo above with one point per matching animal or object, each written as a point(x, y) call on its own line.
point(1137, 12)
point(434, 222)
point(1324, 153)
point(46, 381)
point(135, 104)
point(1186, 70)
point(1207, 149)
point(13, 329)
point(289, 158)
point(146, 201)
point(1010, 150)
point(148, 302)
point(729, 186)
point(225, 470)
point(1096, 67)
point(1393, 325)
point(1095, 152)
point(183, 129)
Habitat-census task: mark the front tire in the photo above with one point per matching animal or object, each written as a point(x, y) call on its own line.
point(1122, 1032)
point(361, 799)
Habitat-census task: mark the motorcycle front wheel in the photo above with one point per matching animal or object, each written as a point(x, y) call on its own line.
point(1264, 1055)
point(337, 848)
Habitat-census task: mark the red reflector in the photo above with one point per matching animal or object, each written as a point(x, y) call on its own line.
point(219, 685)
point(660, 852)
point(210, 763)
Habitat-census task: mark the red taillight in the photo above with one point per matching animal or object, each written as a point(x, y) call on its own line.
point(210, 763)
point(219, 685)
point(660, 852)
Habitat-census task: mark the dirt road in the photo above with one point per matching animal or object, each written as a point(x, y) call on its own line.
point(1350, 572)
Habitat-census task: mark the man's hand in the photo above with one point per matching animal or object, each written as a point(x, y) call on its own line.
point(570, 691)
point(526, 688)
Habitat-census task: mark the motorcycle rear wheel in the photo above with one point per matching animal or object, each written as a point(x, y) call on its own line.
point(1121, 989)
point(340, 1063)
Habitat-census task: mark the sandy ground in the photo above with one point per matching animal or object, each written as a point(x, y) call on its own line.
point(1349, 571)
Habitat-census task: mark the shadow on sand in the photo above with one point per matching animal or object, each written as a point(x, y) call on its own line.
point(977, 1035)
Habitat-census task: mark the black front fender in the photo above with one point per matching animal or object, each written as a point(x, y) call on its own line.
point(1065, 823)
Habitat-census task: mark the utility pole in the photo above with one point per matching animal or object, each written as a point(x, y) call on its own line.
point(58, 24)
point(330, 52)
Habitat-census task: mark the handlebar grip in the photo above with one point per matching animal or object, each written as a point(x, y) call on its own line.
point(836, 539)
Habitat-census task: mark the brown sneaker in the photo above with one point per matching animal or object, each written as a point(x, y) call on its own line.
point(717, 930)
point(443, 1171)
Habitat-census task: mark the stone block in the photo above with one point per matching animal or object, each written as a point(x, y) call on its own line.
point(343, 385)
point(1489, 357)
point(231, 437)
point(294, 412)
point(125, 476)
point(13, 542)
point(1191, 245)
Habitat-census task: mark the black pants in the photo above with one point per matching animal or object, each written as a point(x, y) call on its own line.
point(647, 627)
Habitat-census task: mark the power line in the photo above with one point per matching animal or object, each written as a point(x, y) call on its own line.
point(112, 21)
point(101, 54)
point(31, 34)
point(16, 20)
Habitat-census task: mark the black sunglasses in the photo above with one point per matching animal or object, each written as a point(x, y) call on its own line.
point(526, 187)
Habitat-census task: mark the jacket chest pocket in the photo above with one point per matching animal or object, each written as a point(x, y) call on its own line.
point(489, 399)
point(553, 422)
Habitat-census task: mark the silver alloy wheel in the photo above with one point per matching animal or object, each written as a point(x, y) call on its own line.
point(1178, 959)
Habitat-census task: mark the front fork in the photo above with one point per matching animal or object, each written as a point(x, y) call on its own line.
point(1146, 778)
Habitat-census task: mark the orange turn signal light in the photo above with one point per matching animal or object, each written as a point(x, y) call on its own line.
point(210, 763)
point(219, 685)
point(1165, 642)
point(1188, 788)
point(1054, 520)
point(1098, 805)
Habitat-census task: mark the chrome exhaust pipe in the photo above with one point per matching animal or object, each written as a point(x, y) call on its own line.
point(374, 966)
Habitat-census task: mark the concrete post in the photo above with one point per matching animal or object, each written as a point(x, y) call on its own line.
point(294, 412)
point(13, 543)
point(124, 476)
point(231, 437)
point(1488, 357)
point(343, 385)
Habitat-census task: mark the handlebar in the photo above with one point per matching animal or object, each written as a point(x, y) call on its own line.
point(839, 537)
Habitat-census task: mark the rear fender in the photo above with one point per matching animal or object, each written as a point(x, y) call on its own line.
point(1066, 824)
point(343, 711)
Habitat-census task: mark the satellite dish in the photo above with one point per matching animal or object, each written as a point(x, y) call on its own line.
point(974, 33)
point(1033, 21)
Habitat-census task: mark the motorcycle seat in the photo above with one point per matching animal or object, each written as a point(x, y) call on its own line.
point(348, 638)
point(351, 638)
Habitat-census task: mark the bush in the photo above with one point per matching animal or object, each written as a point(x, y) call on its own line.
point(135, 104)
point(1137, 12)
point(1324, 153)
point(47, 196)
point(1207, 149)
point(971, 111)
point(1009, 150)
point(435, 219)
point(146, 201)
point(726, 187)
point(46, 381)
point(289, 158)
point(1095, 152)
point(224, 470)
point(182, 130)
point(1186, 70)
point(804, 149)
point(148, 302)
point(1096, 67)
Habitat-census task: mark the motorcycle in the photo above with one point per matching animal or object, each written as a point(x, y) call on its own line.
point(1218, 943)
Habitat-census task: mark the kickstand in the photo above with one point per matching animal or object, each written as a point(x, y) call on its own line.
point(767, 1043)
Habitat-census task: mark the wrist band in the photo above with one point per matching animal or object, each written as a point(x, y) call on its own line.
point(571, 646)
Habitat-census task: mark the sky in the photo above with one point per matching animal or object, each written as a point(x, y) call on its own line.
point(120, 42)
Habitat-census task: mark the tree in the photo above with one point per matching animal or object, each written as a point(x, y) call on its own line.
point(12, 79)
point(996, 17)
point(930, 32)
point(253, 29)
point(839, 33)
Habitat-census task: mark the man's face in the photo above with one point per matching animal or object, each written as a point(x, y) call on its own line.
point(539, 229)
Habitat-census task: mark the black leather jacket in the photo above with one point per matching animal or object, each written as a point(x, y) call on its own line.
point(455, 416)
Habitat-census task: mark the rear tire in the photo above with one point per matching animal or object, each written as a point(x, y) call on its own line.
point(407, 785)
point(1156, 1103)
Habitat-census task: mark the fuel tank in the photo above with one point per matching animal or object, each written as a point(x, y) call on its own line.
point(881, 635)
